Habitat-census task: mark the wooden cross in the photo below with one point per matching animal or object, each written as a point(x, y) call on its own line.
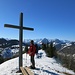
point(21, 28)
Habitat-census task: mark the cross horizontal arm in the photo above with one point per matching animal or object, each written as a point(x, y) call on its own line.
point(17, 27)
point(27, 28)
point(11, 26)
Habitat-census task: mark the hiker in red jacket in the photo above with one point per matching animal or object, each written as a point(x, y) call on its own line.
point(31, 52)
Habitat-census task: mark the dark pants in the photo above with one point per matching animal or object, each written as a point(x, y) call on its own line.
point(32, 61)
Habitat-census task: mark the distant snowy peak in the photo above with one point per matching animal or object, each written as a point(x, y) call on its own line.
point(38, 41)
point(58, 41)
point(66, 41)
point(26, 40)
point(45, 41)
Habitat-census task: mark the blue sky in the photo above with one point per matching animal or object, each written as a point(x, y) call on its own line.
point(49, 18)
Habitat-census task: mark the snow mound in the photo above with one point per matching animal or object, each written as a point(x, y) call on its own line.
point(44, 66)
point(41, 53)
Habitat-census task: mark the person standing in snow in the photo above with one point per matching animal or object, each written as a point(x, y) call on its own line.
point(31, 52)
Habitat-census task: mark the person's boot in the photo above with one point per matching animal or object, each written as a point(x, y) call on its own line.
point(31, 67)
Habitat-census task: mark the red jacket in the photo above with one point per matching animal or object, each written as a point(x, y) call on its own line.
point(32, 50)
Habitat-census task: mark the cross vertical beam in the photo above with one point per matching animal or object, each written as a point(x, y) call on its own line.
point(20, 40)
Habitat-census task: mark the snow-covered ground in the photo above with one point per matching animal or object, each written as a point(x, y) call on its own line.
point(44, 66)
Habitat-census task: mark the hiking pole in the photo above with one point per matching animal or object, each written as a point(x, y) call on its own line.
point(26, 58)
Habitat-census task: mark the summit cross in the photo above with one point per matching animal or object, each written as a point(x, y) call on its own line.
point(21, 28)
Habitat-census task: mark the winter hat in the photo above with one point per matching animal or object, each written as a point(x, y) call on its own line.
point(32, 42)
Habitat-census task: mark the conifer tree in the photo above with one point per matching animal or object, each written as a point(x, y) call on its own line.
point(1, 59)
point(43, 46)
point(50, 50)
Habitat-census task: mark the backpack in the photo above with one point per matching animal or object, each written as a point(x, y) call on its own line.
point(36, 48)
